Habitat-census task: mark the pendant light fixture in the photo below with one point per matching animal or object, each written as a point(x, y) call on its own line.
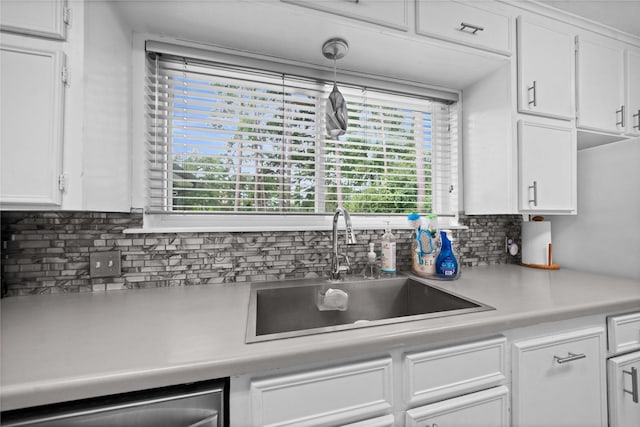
point(337, 114)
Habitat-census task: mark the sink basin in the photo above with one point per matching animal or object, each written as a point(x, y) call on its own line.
point(289, 309)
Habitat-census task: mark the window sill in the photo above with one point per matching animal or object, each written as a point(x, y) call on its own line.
point(271, 223)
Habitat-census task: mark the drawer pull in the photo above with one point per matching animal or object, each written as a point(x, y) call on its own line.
point(534, 187)
point(532, 90)
point(570, 358)
point(634, 384)
point(637, 115)
point(469, 28)
point(621, 112)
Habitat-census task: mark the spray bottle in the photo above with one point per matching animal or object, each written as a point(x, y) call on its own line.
point(446, 263)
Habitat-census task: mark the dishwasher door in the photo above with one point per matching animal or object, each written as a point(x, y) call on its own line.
point(194, 405)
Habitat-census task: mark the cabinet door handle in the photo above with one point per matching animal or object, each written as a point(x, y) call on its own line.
point(470, 28)
point(634, 384)
point(532, 99)
point(570, 358)
point(621, 112)
point(534, 187)
point(637, 115)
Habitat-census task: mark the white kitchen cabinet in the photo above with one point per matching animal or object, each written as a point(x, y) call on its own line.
point(394, 14)
point(623, 370)
point(624, 333)
point(329, 396)
point(32, 114)
point(454, 370)
point(560, 380)
point(474, 24)
point(623, 389)
point(632, 100)
point(600, 85)
point(487, 408)
point(545, 70)
point(43, 18)
point(547, 157)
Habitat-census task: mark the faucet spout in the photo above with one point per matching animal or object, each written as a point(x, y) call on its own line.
point(350, 239)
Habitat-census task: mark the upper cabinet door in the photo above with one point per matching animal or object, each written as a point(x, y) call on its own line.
point(43, 18)
point(390, 13)
point(600, 85)
point(32, 125)
point(632, 105)
point(545, 71)
point(466, 23)
point(547, 167)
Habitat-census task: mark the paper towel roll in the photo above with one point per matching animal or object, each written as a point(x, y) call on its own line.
point(536, 238)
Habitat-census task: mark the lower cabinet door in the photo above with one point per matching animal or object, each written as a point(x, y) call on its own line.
point(487, 408)
point(624, 393)
point(560, 380)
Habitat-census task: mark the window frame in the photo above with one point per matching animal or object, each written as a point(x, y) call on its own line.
point(195, 222)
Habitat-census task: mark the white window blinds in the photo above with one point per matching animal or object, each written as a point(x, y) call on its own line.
point(236, 140)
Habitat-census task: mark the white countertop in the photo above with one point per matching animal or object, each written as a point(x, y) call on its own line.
point(69, 346)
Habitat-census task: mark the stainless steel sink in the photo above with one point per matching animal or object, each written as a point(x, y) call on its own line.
point(289, 308)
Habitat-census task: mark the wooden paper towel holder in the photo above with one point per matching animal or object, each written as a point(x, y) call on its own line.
point(549, 266)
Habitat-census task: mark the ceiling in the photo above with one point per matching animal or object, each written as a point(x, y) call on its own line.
point(623, 15)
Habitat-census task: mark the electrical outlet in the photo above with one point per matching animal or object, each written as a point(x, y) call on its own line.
point(105, 264)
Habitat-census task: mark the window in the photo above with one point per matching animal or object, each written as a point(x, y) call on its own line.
point(225, 139)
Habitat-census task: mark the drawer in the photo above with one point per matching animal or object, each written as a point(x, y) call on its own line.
point(392, 14)
point(446, 372)
point(328, 396)
point(572, 365)
point(386, 421)
point(464, 23)
point(488, 408)
point(624, 333)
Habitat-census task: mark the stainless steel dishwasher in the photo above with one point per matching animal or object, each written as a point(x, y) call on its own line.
point(202, 404)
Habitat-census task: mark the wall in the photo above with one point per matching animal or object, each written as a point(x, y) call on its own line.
point(605, 235)
point(48, 252)
point(106, 179)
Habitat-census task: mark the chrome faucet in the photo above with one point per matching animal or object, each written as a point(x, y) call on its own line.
point(350, 239)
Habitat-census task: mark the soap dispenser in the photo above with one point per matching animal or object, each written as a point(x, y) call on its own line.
point(388, 267)
point(371, 270)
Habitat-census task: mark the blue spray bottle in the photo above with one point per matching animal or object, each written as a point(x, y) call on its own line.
point(446, 263)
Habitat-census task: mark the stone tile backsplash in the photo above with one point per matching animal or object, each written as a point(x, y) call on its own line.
point(48, 252)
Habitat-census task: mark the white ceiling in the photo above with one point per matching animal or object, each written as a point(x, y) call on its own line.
point(623, 15)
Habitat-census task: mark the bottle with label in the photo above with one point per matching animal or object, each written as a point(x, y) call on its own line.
point(388, 260)
point(446, 263)
point(430, 257)
point(423, 254)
